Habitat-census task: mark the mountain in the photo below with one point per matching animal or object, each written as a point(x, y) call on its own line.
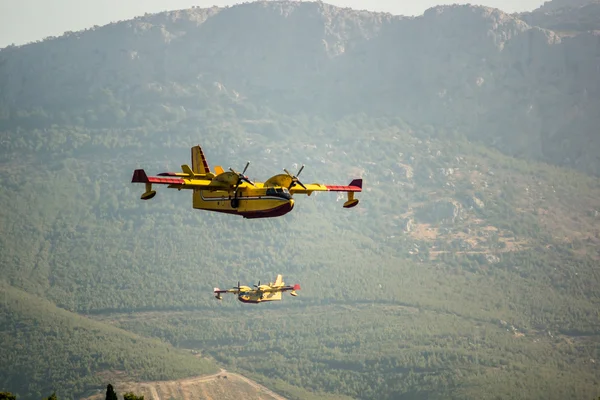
point(465, 272)
point(554, 5)
point(495, 78)
point(566, 18)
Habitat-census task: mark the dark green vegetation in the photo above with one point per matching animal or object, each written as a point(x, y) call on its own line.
point(132, 396)
point(463, 273)
point(381, 349)
point(110, 395)
point(110, 392)
point(45, 349)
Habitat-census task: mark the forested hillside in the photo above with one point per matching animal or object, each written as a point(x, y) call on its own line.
point(463, 273)
point(46, 349)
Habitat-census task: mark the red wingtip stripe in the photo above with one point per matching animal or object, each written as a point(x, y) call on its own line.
point(168, 181)
point(354, 186)
point(337, 188)
point(139, 176)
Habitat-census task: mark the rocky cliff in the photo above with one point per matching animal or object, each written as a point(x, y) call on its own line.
point(554, 5)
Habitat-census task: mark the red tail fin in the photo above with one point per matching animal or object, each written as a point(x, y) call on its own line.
point(356, 182)
point(139, 176)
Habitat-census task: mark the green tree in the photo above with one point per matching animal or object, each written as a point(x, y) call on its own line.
point(7, 396)
point(51, 397)
point(110, 392)
point(132, 396)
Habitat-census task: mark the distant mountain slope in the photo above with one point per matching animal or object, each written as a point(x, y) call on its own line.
point(382, 349)
point(224, 385)
point(46, 349)
point(469, 242)
point(77, 233)
point(443, 225)
point(490, 75)
point(566, 19)
point(554, 5)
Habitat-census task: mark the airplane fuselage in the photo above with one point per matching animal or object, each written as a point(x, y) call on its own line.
point(257, 297)
point(254, 202)
point(271, 292)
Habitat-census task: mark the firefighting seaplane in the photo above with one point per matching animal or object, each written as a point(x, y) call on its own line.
point(233, 192)
point(271, 292)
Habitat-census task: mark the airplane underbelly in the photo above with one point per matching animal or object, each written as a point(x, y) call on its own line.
point(250, 206)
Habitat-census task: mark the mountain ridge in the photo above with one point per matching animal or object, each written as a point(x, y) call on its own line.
point(517, 87)
point(554, 5)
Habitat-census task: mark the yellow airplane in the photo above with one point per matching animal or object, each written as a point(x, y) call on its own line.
point(270, 292)
point(233, 193)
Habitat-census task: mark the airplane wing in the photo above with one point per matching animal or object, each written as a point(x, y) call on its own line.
point(234, 290)
point(285, 180)
point(217, 290)
point(354, 186)
point(179, 180)
point(281, 289)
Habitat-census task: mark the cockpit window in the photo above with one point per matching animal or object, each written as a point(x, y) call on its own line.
point(279, 192)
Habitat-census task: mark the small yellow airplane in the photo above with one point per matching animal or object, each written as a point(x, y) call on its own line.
point(271, 292)
point(234, 193)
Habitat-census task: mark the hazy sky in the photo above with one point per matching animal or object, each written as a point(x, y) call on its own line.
point(23, 21)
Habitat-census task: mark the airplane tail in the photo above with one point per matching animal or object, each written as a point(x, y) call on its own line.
point(139, 176)
point(293, 289)
point(357, 183)
point(356, 186)
point(199, 163)
point(279, 280)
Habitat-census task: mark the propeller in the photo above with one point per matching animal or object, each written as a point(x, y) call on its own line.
point(237, 287)
point(241, 176)
point(295, 180)
point(259, 291)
